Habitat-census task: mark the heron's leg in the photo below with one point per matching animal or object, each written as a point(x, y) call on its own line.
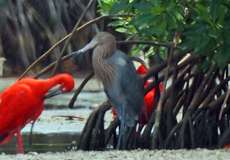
point(120, 144)
point(20, 145)
point(121, 135)
point(131, 138)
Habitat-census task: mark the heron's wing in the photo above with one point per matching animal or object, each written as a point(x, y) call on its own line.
point(128, 85)
point(132, 86)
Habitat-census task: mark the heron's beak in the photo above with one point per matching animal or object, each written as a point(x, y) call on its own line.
point(54, 92)
point(87, 47)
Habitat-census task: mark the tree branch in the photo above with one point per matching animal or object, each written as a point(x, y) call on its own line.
point(49, 51)
point(78, 90)
point(74, 31)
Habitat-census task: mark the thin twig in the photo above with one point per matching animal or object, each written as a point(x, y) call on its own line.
point(74, 31)
point(49, 51)
point(88, 15)
point(154, 43)
point(78, 90)
point(52, 65)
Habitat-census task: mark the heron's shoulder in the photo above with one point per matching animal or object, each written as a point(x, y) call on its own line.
point(120, 58)
point(119, 53)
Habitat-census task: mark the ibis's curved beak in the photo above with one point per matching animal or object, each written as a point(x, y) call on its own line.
point(54, 92)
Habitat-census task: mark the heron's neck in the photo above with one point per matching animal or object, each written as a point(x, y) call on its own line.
point(102, 69)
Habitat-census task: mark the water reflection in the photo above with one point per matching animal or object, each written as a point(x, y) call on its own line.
point(55, 142)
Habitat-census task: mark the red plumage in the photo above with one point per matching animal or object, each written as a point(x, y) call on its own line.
point(23, 102)
point(149, 98)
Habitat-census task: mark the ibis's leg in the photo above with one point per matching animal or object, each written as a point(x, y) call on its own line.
point(20, 145)
point(31, 133)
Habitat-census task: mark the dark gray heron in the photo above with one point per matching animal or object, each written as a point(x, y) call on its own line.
point(122, 85)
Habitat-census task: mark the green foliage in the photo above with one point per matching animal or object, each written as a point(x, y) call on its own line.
point(202, 25)
point(3, 3)
point(105, 6)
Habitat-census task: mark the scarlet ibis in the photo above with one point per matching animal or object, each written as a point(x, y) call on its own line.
point(149, 98)
point(122, 85)
point(23, 102)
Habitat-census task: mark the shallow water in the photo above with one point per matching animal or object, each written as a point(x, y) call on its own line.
point(53, 132)
point(42, 143)
point(54, 136)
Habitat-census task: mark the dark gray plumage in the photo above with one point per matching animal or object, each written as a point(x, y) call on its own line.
point(126, 89)
point(122, 84)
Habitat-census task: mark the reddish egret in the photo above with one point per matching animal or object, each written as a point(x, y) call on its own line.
point(149, 98)
point(122, 85)
point(22, 103)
